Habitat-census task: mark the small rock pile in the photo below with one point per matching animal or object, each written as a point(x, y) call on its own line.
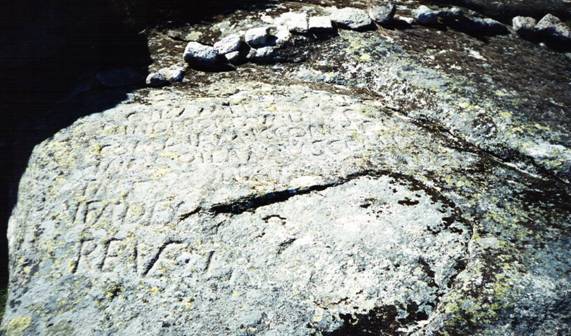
point(549, 29)
point(456, 18)
point(260, 44)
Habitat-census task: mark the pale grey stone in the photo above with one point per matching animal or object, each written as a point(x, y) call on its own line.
point(523, 24)
point(320, 24)
point(281, 35)
point(351, 18)
point(553, 27)
point(261, 54)
point(203, 221)
point(295, 22)
point(197, 54)
point(426, 16)
point(374, 185)
point(229, 44)
point(156, 79)
point(382, 13)
point(259, 37)
point(234, 57)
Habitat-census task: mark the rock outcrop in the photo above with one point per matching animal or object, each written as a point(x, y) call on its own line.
point(401, 182)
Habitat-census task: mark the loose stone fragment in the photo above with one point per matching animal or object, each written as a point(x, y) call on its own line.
point(261, 54)
point(295, 22)
point(485, 26)
point(404, 19)
point(229, 44)
point(351, 18)
point(259, 37)
point(320, 24)
point(234, 57)
point(426, 16)
point(552, 27)
point(280, 34)
point(165, 76)
point(523, 24)
point(202, 56)
point(382, 14)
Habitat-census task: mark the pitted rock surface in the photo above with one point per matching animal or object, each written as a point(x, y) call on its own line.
point(256, 203)
point(388, 182)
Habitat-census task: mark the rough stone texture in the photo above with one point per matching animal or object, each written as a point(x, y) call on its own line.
point(395, 182)
point(553, 27)
point(523, 24)
point(511, 8)
point(259, 37)
point(296, 22)
point(165, 76)
point(382, 14)
point(229, 44)
point(261, 54)
point(351, 18)
point(235, 57)
point(320, 24)
point(201, 56)
point(205, 228)
point(156, 79)
point(427, 16)
point(485, 26)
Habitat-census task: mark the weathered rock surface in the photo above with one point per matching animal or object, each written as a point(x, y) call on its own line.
point(320, 24)
point(259, 37)
point(229, 44)
point(456, 18)
point(202, 56)
point(523, 25)
point(382, 13)
point(511, 8)
point(165, 76)
point(296, 22)
point(351, 18)
point(395, 182)
point(553, 27)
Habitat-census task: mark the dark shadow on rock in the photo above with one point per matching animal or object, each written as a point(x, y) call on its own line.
point(553, 43)
point(398, 24)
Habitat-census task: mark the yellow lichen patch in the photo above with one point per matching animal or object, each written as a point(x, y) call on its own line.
point(467, 105)
point(365, 58)
point(18, 325)
point(188, 304)
point(96, 149)
point(154, 290)
point(506, 115)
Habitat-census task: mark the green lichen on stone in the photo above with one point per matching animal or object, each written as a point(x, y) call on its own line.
point(18, 325)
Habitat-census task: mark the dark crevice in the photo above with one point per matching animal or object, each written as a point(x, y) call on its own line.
point(284, 245)
point(251, 203)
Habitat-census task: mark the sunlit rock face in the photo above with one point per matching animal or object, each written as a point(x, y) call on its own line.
point(390, 181)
